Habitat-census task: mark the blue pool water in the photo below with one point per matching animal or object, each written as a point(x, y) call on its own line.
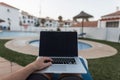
point(17, 34)
point(81, 45)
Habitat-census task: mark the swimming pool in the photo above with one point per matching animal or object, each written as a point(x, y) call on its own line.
point(8, 34)
point(81, 45)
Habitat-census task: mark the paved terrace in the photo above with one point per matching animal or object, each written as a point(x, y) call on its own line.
point(98, 50)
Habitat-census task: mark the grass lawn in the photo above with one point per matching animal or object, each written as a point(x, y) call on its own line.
point(101, 69)
point(19, 58)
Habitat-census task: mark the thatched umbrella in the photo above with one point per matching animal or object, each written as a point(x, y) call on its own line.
point(2, 20)
point(83, 15)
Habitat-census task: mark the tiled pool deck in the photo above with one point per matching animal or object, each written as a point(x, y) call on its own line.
point(98, 50)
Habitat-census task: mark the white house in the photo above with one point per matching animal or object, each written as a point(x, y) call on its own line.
point(10, 15)
point(56, 23)
point(67, 23)
point(50, 22)
point(111, 20)
point(28, 21)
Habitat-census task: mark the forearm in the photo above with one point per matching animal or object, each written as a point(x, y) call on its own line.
point(21, 74)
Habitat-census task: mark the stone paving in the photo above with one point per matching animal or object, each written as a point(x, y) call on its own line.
point(98, 50)
point(7, 67)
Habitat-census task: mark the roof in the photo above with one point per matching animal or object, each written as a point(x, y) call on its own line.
point(4, 4)
point(87, 24)
point(83, 14)
point(117, 13)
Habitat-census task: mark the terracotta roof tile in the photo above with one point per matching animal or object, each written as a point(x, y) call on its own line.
point(4, 4)
point(117, 13)
point(87, 24)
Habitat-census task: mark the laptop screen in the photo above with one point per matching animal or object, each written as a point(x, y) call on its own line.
point(60, 44)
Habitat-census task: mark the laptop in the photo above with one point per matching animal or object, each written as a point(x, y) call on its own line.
point(63, 49)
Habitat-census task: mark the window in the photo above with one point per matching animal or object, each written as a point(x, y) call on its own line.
point(8, 10)
point(50, 21)
point(50, 25)
point(24, 21)
point(112, 24)
point(46, 24)
point(65, 23)
point(28, 21)
point(31, 21)
point(28, 17)
point(23, 17)
point(8, 19)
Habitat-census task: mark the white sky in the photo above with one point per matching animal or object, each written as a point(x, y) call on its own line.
point(66, 8)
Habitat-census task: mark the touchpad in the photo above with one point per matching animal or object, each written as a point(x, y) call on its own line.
point(58, 68)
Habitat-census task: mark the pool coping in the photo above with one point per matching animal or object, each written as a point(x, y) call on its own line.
point(15, 37)
point(98, 50)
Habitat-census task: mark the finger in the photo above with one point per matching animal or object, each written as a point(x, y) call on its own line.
point(48, 64)
point(48, 58)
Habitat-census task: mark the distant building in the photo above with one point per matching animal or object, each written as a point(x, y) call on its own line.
point(67, 23)
point(50, 22)
point(27, 20)
point(10, 15)
point(55, 23)
point(111, 20)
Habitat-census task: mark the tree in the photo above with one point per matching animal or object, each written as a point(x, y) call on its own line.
point(43, 21)
point(60, 18)
point(58, 29)
point(37, 24)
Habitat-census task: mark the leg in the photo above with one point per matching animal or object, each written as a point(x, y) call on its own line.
point(38, 76)
point(70, 77)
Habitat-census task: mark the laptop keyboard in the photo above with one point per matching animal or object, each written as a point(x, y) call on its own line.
point(63, 61)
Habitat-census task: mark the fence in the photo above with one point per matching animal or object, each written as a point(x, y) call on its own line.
point(109, 34)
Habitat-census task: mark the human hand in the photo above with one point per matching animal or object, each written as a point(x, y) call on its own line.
point(41, 63)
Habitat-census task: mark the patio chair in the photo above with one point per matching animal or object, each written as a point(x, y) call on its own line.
point(81, 35)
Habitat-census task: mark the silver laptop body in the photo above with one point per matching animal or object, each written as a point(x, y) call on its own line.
point(63, 46)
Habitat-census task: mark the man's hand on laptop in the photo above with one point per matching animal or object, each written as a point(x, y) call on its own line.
point(41, 63)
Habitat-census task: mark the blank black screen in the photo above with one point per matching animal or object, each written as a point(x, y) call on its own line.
point(58, 44)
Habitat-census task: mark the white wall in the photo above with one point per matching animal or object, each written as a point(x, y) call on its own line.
point(13, 15)
point(95, 33)
point(113, 34)
point(109, 34)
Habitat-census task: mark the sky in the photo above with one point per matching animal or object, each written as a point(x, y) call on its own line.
point(65, 8)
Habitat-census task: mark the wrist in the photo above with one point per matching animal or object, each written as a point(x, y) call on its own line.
point(33, 67)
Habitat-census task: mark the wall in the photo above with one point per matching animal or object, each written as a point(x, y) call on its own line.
point(13, 15)
point(95, 33)
point(109, 34)
point(113, 34)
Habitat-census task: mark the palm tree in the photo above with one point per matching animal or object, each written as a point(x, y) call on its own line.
point(60, 19)
point(37, 24)
point(43, 21)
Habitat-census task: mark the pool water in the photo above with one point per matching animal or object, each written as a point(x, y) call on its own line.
point(17, 34)
point(81, 45)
